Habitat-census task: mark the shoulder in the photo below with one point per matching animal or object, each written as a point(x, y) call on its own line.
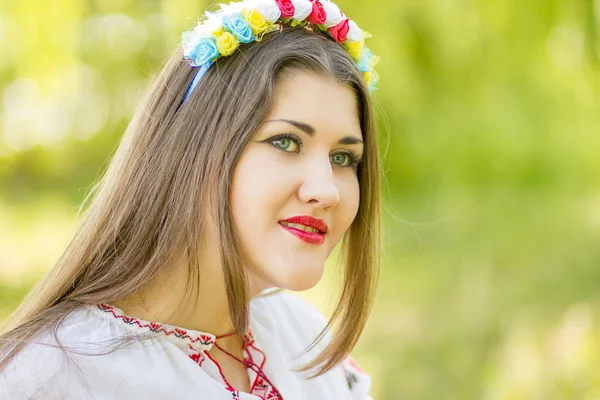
point(42, 369)
point(35, 370)
point(86, 365)
point(298, 323)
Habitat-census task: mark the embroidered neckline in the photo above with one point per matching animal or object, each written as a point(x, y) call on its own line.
point(198, 343)
point(195, 340)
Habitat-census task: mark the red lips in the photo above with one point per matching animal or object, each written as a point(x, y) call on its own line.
point(307, 220)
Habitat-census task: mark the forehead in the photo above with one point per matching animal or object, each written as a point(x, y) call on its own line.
point(327, 105)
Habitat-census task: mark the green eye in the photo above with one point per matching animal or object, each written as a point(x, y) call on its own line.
point(341, 159)
point(286, 144)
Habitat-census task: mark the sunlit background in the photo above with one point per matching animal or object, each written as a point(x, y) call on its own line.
point(489, 116)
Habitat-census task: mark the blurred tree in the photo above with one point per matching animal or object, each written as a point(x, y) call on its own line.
point(489, 114)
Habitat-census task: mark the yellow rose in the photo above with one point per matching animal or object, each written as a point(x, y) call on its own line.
point(210, 27)
point(227, 43)
point(367, 76)
point(355, 48)
point(218, 32)
point(255, 20)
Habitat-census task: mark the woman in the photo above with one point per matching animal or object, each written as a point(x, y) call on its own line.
point(236, 178)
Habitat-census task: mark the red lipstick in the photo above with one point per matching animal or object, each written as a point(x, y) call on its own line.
point(291, 225)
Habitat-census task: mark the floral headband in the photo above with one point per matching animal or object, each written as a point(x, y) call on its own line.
point(220, 33)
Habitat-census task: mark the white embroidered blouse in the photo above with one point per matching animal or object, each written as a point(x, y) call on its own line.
point(174, 363)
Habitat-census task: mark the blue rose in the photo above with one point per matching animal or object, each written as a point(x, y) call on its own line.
point(364, 64)
point(236, 24)
point(206, 52)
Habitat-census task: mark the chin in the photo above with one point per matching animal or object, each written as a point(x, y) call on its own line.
point(303, 278)
point(295, 277)
point(301, 286)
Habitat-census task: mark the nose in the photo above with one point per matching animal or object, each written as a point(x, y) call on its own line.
point(318, 185)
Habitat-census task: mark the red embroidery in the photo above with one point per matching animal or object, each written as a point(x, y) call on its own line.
point(229, 387)
point(155, 327)
point(274, 396)
point(261, 352)
point(205, 338)
point(351, 369)
point(261, 386)
point(202, 339)
point(198, 358)
point(353, 364)
point(235, 395)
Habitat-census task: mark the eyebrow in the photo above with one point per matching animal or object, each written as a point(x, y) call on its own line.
point(310, 131)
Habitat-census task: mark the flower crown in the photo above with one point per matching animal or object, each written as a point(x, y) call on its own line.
point(220, 33)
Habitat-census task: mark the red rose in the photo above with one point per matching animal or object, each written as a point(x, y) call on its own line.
point(286, 7)
point(318, 15)
point(339, 31)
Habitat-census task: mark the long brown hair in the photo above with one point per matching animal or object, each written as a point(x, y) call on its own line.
point(175, 161)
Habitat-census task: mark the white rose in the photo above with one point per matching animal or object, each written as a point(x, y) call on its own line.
point(355, 34)
point(209, 25)
point(233, 7)
point(268, 9)
point(189, 42)
point(302, 8)
point(205, 28)
point(334, 15)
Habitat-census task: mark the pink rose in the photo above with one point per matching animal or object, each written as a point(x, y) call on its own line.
point(318, 15)
point(339, 31)
point(286, 7)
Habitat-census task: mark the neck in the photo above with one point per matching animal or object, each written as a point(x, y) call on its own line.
point(164, 299)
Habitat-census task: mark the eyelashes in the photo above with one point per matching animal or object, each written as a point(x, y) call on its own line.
point(291, 143)
point(353, 159)
point(284, 138)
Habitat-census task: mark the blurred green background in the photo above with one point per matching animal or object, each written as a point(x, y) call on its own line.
point(489, 116)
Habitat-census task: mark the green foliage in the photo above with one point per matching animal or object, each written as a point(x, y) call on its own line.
point(489, 115)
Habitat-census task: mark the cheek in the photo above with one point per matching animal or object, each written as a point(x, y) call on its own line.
point(256, 193)
point(346, 210)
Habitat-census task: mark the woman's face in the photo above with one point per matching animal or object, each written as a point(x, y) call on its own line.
point(295, 189)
